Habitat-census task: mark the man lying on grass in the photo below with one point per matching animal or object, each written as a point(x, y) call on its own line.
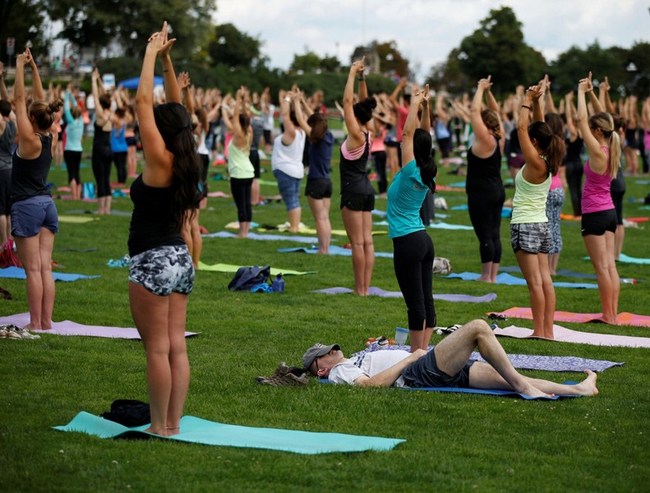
point(447, 365)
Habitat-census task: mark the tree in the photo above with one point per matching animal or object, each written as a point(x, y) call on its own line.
point(307, 63)
point(498, 48)
point(449, 76)
point(22, 20)
point(390, 59)
point(229, 46)
point(97, 23)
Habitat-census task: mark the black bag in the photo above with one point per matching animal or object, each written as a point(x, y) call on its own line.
point(249, 277)
point(129, 413)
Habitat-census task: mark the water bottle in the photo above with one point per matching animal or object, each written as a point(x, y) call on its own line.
point(278, 284)
point(628, 280)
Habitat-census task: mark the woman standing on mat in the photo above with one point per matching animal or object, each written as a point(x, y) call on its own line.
point(161, 272)
point(319, 183)
point(529, 230)
point(74, 132)
point(34, 220)
point(413, 248)
point(485, 192)
point(555, 200)
point(102, 156)
point(357, 193)
point(598, 213)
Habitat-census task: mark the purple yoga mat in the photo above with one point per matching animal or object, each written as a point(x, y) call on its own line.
point(374, 291)
point(562, 334)
point(529, 361)
point(68, 328)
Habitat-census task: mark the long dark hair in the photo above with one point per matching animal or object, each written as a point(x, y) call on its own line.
point(422, 150)
point(549, 143)
point(318, 124)
point(175, 126)
point(363, 109)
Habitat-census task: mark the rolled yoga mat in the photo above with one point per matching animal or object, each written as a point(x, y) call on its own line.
point(562, 334)
point(198, 430)
point(374, 291)
point(624, 318)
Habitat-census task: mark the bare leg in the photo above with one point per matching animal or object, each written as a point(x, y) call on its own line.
point(30, 256)
point(255, 192)
point(619, 240)
point(178, 361)
point(320, 209)
point(46, 245)
point(486, 272)
point(197, 240)
point(549, 295)
point(601, 252)
point(495, 272)
point(529, 265)
point(368, 249)
point(294, 219)
point(4, 231)
point(244, 228)
point(353, 221)
point(553, 259)
point(186, 232)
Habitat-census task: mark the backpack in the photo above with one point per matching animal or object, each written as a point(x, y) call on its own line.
point(247, 278)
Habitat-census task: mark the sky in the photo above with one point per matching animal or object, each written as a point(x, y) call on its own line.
point(427, 30)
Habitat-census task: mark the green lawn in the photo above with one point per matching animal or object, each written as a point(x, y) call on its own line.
point(454, 442)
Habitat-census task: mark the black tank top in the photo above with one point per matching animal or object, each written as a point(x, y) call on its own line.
point(484, 174)
point(102, 139)
point(354, 177)
point(574, 150)
point(152, 224)
point(29, 176)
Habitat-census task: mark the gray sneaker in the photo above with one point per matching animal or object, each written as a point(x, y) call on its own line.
point(3, 332)
point(25, 334)
point(12, 332)
point(285, 376)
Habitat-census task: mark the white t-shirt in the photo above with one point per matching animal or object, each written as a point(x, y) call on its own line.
point(269, 121)
point(288, 158)
point(368, 364)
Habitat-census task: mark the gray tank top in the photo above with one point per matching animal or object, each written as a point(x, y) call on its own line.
point(7, 145)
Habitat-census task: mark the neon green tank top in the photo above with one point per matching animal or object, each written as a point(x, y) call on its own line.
point(529, 203)
point(239, 163)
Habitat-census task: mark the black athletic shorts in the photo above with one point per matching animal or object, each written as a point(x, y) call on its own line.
point(425, 373)
point(597, 223)
point(358, 202)
point(319, 188)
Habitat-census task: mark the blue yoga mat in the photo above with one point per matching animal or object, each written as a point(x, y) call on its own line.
point(442, 225)
point(334, 250)
point(560, 272)
point(264, 237)
point(507, 279)
point(379, 213)
point(462, 207)
point(18, 273)
point(197, 430)
point(626, 259)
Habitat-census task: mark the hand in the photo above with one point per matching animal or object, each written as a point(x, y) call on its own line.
point(533, 93)
point(520, 90)
point(585, 85)
point(183, 81)
point(158, 42)
point(569, 97)
point(485, 84)
point(358, 66)
point(32, 62)
point(604, 86)
point(419, 353)
point(95, 75)
point(24, 58)
point(426, 95)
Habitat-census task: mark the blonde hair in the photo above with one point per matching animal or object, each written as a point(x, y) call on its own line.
point(605, 123)
point(44, 113)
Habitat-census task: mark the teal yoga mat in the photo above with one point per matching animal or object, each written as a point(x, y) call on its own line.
point(197, 430)
point(628, 260)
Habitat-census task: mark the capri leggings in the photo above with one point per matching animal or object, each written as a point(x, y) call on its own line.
point(241, 192)
point(413, 261)
point(574, 173)
point(102, 160)
point(554, 204)
point(485, 214)
point(72, 163)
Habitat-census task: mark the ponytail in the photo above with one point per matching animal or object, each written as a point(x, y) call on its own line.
point(555, 154)
point(424, 158)
point(614, 154)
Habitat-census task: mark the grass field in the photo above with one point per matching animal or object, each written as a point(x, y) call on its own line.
point(454, 442)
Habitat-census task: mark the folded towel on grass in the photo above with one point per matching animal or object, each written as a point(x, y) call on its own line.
point(334, 250)
point(562, 334)
point(505, 278)
point(233, 268)
point(197, 430)
point(374, 291)
point(624, 318)
point(68, 328)
point(265, 237)
point(527, 361)
point(19, 273)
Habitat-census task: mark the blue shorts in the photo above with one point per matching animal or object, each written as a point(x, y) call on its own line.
point(30, 215)
point(289, 189)
point(163, 270)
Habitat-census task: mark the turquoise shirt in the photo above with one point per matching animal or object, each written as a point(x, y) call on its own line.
point(405, 197)
point(75, 129)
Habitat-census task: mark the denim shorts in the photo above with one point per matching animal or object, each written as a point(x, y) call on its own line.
point(163, 270)
point(289, 189)
point(30, 215)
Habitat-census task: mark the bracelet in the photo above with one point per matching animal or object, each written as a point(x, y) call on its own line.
point(527, 107)
point(165, 70)
point(361, 79)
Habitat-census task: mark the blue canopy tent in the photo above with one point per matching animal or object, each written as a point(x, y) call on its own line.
point(133, 83)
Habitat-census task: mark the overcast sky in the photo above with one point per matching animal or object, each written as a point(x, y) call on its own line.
point(427, 30)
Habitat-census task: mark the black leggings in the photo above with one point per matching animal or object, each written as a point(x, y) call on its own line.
point(485, 214)
point(574, 171)
point(413, 260)
point(380, 167)
point(102, 158)
point(241, 192)
point(119, 158)
point(72, 163)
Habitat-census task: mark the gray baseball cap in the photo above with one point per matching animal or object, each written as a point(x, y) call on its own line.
point(316, 351)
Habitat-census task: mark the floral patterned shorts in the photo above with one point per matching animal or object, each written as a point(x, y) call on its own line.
point(163, 270)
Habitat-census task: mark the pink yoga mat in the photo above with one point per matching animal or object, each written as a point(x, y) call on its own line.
point(562, 334)
point(68, 328)
point(624, 318)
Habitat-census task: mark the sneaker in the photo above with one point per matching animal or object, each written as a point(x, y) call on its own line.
point(285, 376)
point(25, 334)
point(12, 332)
point(3, 332)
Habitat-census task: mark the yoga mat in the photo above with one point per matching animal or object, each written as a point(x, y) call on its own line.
point(264, 237)
point(68, 328)
point(233, 268)
point(632, 260)
point(379, 213)
point(374, 291)
point(442, 225)
point(18, 273)
point(197, 430)
point(563, 334)
point(527, 361)
point(560, 272)
point(624, 318)
point(462, 207)
point(235, 225)
point(219, 194)
point(638, 219)
point(334, 250)
point(458, 184)
point(507, 279)
point(77, 219)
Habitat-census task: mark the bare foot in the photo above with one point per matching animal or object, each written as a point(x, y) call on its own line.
point(173, 430)
point(30, 326)
point(610, 320)
point(532, 391)
point(155, 431)
point(588, 385)
point(483, 279)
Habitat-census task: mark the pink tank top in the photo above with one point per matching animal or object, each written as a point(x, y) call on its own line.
point(596, 194)
point(556, 182)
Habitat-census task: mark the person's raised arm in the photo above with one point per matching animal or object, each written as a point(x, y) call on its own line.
point(400, 85)
point(297, 107)
point(289, 133)
point(237, 130)
point(425, 121)
point(411, 124)
point(184, 88)
point(533, 160)
point(570, 124)
point(538, 101)
point(363, 88)
point(4, 94)
point(37, 85)
point(100, 114)
point(356, 137)
point(484, 140)
point(388, 377)
point(549, 104)
point(595, 102)
point(66, 104)
point(29, 141)
point(597, 157)
point(172, 93)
